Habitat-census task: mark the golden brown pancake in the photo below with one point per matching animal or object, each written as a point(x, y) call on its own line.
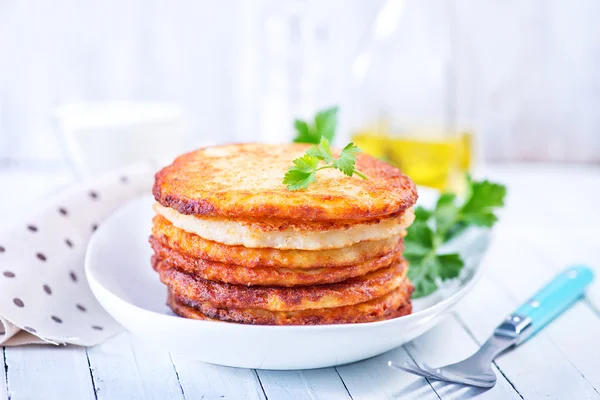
point(196, 247)
point(267, 276)
point(244, 181)
point(274, 298)
point(394, 304)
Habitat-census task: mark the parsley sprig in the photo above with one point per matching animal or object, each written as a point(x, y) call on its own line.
point(304, 170)
point(324, 125)
point(433, 228)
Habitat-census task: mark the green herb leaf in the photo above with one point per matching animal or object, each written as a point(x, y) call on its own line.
point(296, 179)
point(347, 159)
point(322, 151)
point(484, 197)
point(306, 163)
point(449, 265)
point(433, 228)
point(422, 214)
point(326, 122)
point(324, 125)
point(422, 274)
point(419, 240)
point(303, 134)
point(302, 173)
point(445, 212)
point(304, 170)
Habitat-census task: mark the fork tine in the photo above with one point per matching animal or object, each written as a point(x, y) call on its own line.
point(444, 374)
point(426, 371)
point(484, 383)
point(411, 369)
point(433, 372)
point(470, 380)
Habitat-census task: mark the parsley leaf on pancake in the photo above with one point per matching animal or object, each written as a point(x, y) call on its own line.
point(347, 160)
point(322, 151)
point(304, 170)
point(302, 174)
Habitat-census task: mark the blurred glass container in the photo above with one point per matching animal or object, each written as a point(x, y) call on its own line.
point(293, 61)
point(412, 108)
point(98, 137)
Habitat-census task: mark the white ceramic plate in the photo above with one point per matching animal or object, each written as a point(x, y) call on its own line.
point(119, 273)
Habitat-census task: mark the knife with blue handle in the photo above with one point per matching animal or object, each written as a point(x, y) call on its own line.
point(554, 298)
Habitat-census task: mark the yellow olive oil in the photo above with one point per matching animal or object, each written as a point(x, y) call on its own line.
point(373, 142)
point(431, 159)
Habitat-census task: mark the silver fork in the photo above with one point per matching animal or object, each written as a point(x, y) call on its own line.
point(519, 326)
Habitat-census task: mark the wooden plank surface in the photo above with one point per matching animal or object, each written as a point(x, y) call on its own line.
point(373, 379)
point(48, 372)
point(3, 381)
point(206, 381)
point(125, 368)
point(315, 384)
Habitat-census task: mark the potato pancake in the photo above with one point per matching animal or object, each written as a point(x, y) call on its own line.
point(194, 246)
point(275, 298)
point(245, 181)
point(233, 233)
point(267, 276)
point(392, 305)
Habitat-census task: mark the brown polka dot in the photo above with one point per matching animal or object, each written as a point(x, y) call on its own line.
point(32, 228)
point(81, 308)
point(98, 328)
point(94, 227)
point(9, 274)
point(29, 329)
point(41, 256)
point(124, 179)
point(63, 211)
point(2, 249)
point(47, 289)
point(68, 242)
point(73, 276)
point(93, 195)
point(56, 319)
point(18, 302)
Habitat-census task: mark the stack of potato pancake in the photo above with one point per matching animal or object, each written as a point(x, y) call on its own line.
point(232, 243)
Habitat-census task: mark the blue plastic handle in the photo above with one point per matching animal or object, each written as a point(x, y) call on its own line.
point(555, 297)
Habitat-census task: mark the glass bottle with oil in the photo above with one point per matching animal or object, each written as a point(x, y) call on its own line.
point(413, 108)
point(430, 156)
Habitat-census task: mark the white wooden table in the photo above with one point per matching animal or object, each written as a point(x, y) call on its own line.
point(551, 220)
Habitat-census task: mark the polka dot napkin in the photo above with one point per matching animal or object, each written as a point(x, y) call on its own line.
point(44, 295)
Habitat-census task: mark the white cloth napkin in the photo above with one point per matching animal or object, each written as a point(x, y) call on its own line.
point(44, 294)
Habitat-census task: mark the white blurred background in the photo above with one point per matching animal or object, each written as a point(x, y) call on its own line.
point(242, 69)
